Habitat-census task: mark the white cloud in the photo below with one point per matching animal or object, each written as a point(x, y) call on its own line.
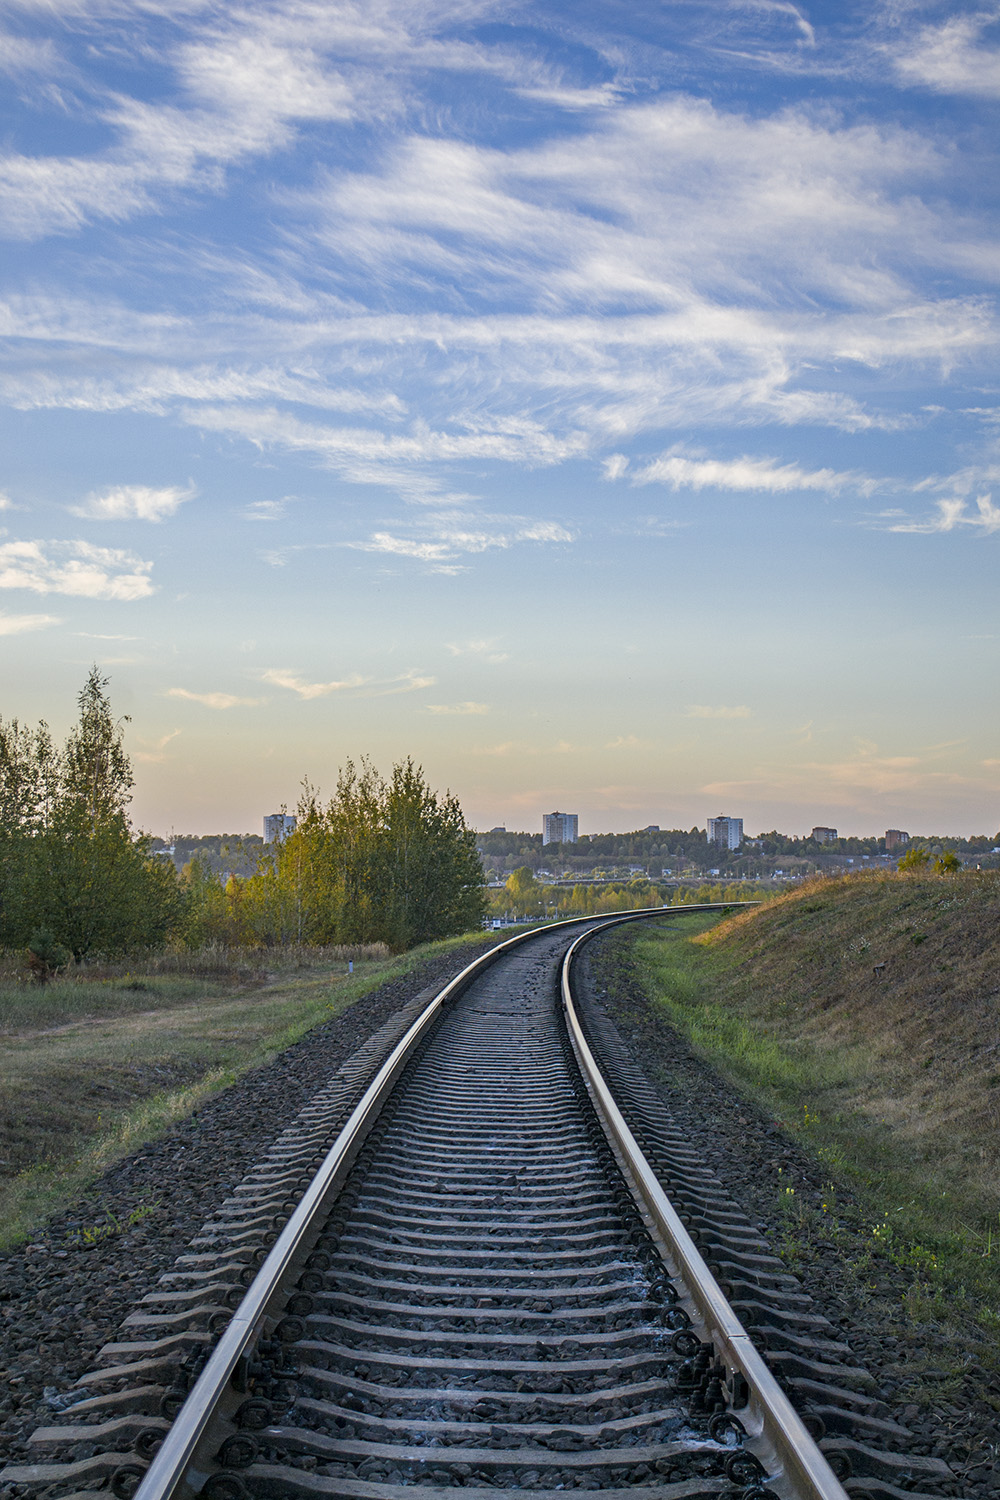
point(949, 59)
point(18, 624)
point(133, 502)
point(485, 649)
point(761, 474)
point(954, 513)
point(458, 708)
point(74, 568)
point(454, 537)
point(265, 510)
point(156, 387)
point(151, 752)
point(706, 711)
point(282, 677)
point(406, 682)
point(214, 700)
point(6, 503)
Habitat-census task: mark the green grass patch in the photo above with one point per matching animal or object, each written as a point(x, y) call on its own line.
point(830, 1071)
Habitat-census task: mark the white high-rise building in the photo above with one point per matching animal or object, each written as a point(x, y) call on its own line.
point(726, 831)
point(277, 827)
point(560, 828)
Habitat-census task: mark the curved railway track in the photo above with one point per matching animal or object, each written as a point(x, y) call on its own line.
point(480, 1258)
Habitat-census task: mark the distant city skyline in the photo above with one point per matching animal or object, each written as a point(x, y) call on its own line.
point(598, 404)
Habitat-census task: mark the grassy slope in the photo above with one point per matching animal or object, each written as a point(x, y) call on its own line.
point(893, 1078)
point(91, 1069)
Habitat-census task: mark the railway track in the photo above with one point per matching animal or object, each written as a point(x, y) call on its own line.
point(480, 1258)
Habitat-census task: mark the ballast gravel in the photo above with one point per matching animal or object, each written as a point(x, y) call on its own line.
point(939, 1377)
point(59, 1302)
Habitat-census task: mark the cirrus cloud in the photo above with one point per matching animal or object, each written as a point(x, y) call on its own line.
point(954, 513)
point(766, 475)
point(284, 678)
point(18, 624)
point(214, 700)
point(458, 708)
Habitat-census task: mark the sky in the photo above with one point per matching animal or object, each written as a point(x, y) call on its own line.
point(597, 402)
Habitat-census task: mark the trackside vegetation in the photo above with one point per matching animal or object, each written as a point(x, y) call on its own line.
point(385, 860)
point(110, 1055)
point(863, 1013)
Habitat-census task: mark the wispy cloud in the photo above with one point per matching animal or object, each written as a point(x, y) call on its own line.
point(719, 711)
point(265, 510)
point(6, 503)
point(284, 678)
point(133, 502)
point(458, 708)
point(214, 700)
point(371, 687)
point(452, 537)
point(628, 742)
point(19, 624)
point(767, 475)
point(952, 514)
point(74, 568)
point(152, 752)
point(951, 57)
point(486, 650)
point(407, 682)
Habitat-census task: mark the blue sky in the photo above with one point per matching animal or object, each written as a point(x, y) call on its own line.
point(598, 402)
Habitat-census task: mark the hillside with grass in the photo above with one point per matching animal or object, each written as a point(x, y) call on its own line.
point(864, 1014)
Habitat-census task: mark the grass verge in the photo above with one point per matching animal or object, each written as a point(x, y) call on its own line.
point(785, 1002)
point(104, 1063)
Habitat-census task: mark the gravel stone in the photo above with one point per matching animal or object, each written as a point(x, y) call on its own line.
point(960, 1425)
point(60, 1303)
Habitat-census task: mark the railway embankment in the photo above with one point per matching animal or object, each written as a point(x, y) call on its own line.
point(838, 1051)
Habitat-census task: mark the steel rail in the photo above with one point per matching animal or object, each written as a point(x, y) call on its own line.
point(181, 1466)
point(797, 1469)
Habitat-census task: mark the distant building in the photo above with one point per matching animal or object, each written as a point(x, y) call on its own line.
point(277, 827)
point(498, 829)
point(824, 835)
point(560, 828)
point(651, 828)
point(895, 838)
point(726, 831)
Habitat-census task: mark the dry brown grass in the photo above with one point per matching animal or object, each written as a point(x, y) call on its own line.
point(107, 1056)
point(928, 1021)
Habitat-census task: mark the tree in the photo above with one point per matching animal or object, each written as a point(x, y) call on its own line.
point(524, 890)
point(947, 864)
point(914, 860)
point(383, 861)
point(72, 866)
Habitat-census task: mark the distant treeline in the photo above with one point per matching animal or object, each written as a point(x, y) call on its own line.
point(223, 853)
point(677, 848)
point(383, 861)
point(523, 896)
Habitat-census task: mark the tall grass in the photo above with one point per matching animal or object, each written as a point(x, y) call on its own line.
point(176, 977)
